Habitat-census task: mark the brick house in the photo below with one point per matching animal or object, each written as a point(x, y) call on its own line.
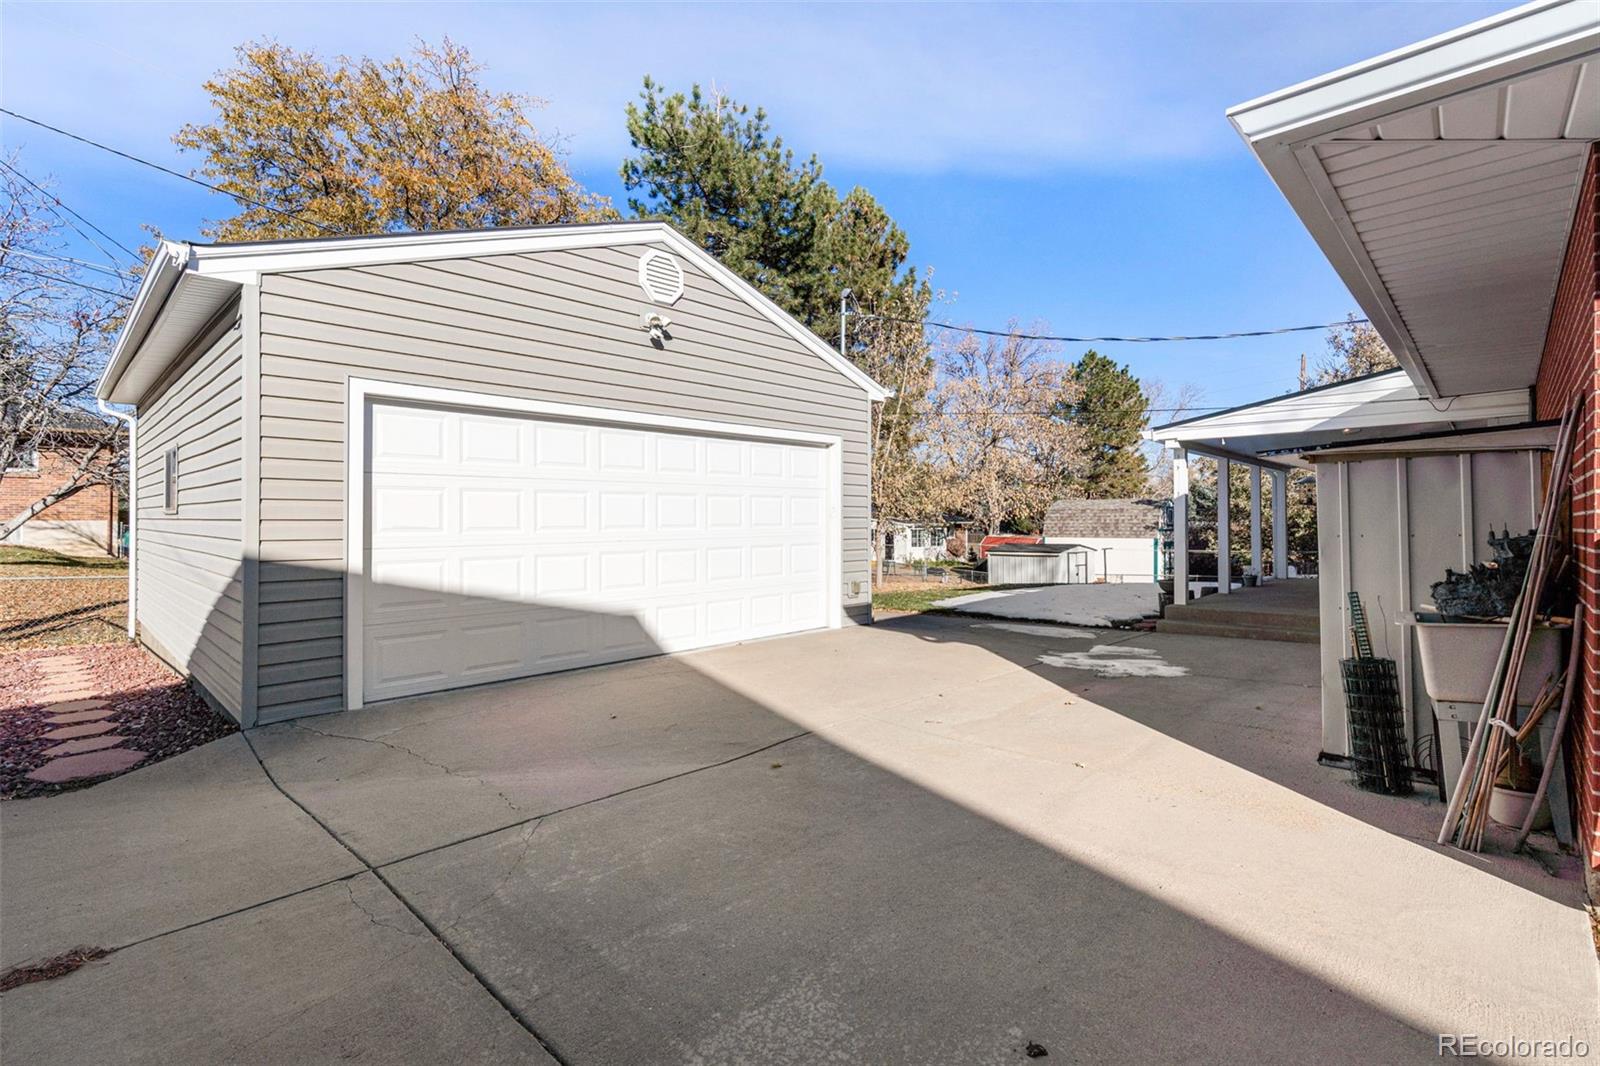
point(84, 523)
point(1569, 367)
point(1453, 186)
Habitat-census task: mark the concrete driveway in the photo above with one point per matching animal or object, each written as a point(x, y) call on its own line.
point(935, 840)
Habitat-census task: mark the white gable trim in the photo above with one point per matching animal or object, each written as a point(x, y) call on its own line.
point(243, 264)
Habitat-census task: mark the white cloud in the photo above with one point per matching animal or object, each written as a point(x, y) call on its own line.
point(898, 88)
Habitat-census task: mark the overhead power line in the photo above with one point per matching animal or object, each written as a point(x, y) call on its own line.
point(1237, 334)
point(54, 202)
point(1121, 340)
point(166, 170)
point(68, 280)
point(46, 257)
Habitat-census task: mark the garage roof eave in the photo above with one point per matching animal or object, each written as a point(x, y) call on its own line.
point(208, 274)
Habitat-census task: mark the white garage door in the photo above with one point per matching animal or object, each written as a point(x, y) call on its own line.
point(500, 546)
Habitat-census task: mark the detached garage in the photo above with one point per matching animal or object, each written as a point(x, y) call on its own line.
point(376, 467)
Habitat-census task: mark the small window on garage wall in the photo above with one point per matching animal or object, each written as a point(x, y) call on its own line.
point(169, 483)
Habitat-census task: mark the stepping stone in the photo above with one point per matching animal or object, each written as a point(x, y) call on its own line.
point(78, 747)
point(88, 729)
point(92, 764)
point(73, 706)
point(64, 695)
point(79, 716)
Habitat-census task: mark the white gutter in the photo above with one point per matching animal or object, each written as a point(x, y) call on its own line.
point(131, 422)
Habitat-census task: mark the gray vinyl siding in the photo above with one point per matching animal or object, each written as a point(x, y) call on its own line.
point(558, 326)
point(190, 584)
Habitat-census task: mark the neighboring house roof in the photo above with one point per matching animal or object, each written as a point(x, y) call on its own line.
point(1102, 518)
point(187, 285)
point(74, 418)
point(1439, 180)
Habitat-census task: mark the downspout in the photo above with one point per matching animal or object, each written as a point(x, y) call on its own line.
point(133, 511)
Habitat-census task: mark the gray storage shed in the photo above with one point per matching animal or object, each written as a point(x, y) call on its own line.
point(373, 467)
point(1039, 564)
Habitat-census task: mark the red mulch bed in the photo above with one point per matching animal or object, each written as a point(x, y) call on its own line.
point(158, 711)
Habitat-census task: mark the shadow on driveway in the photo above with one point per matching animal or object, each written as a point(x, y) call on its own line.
point(906, 844)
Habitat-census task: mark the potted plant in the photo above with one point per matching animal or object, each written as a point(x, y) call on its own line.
point(1514, 791)
point(1458, 644)
point(1251, 577)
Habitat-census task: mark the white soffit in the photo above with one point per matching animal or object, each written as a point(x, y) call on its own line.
point(1440, 181)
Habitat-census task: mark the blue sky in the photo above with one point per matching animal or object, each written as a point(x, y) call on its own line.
point(1064, 165)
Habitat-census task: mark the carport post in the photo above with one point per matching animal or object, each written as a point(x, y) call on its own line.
point(1255, 521)
point(1224, 506)
point(1280, 524)
point(1180, 524)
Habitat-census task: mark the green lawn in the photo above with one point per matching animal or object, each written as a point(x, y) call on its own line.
point(18, 561)
point(919, 599)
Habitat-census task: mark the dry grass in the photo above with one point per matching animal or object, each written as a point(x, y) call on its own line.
point(87, 603)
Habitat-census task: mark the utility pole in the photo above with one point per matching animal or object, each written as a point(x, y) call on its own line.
point(844, 310)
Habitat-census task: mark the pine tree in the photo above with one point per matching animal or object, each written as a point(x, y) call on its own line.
point(715, 169)
point(1110, 414)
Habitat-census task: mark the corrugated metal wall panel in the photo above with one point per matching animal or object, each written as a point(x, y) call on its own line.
point(1387, 529)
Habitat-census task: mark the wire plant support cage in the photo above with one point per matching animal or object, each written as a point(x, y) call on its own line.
point(1376, 714)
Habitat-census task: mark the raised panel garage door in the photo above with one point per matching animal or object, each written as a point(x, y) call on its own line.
point(501, 546)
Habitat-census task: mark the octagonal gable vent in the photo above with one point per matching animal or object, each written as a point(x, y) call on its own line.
point(661, 277)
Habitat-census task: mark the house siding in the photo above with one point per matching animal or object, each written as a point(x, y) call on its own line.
point(1569, 368)
point(190, 586)
point(560, 326)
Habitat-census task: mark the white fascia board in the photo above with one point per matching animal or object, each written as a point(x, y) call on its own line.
point(161, 276)
point(1491, 50)
point(246, 263)
point(1281, 128)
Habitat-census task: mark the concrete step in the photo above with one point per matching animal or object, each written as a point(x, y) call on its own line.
point(1257, 619)
point(1287, 634)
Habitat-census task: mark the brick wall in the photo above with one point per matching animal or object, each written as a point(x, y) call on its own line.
point(1570, 367)
point(21, 488)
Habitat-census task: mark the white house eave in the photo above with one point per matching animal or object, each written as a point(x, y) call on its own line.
point(1284, 128)
point(1503, 46)
point(245, 263)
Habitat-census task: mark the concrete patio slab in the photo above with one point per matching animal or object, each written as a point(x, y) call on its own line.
point(829, 910)
point(343, 972)
point(395, 779)
point(189, 838)
point(1077, 605)
point(932, 840)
